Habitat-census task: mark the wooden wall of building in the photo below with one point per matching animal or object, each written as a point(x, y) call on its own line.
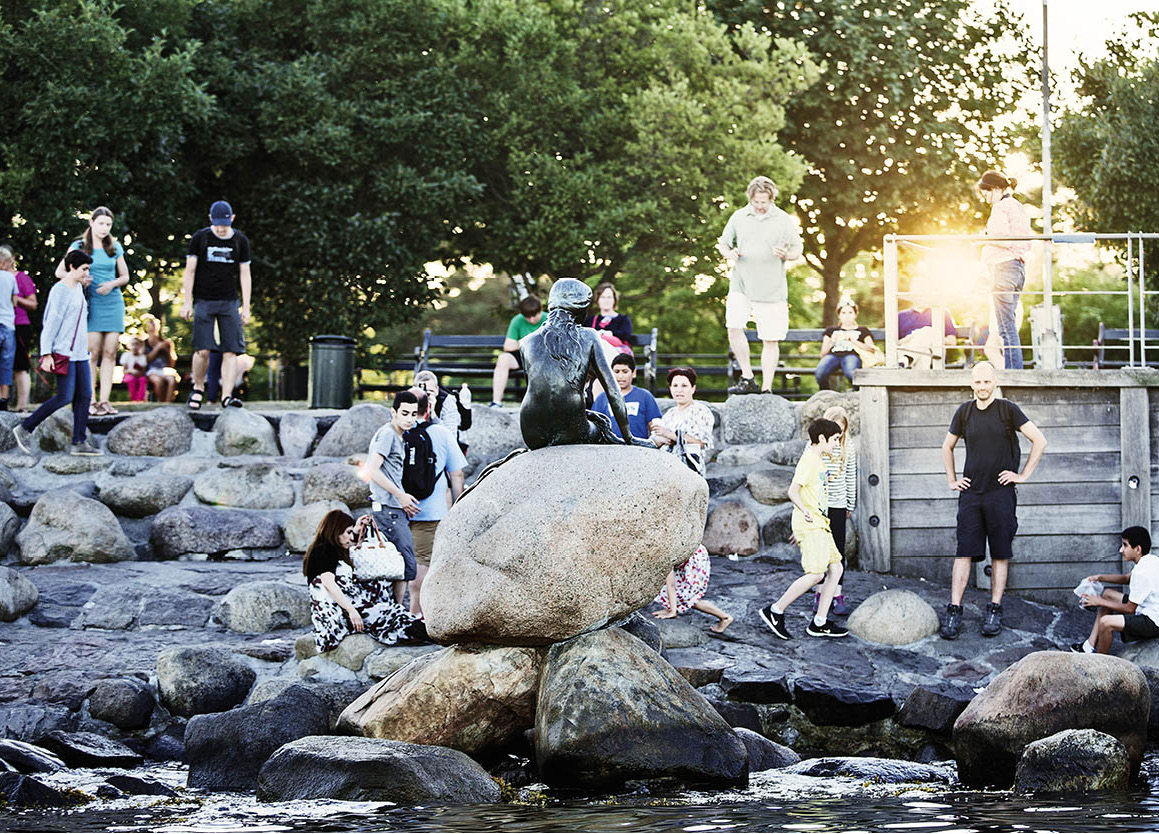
point(1101, 430)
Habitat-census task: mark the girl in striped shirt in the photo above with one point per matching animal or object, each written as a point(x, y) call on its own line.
point(841, 490)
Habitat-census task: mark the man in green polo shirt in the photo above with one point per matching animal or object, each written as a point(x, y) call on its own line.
point(757, 241)
point(523, 324)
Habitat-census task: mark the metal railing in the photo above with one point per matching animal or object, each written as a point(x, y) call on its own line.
point(1052, 350)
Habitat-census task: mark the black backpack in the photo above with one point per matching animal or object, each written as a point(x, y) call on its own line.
point(464, 412)
point(419, 470)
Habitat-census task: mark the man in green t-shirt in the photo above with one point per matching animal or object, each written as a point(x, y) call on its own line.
point(525, 322)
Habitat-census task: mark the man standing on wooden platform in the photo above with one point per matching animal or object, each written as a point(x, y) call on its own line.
point(987, 500)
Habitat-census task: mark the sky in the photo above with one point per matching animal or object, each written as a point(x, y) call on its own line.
point(1076, 26)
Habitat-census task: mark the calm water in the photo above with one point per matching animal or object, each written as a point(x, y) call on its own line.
point(773, 802)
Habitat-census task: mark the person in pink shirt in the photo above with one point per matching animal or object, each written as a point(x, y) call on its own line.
point(1006, 261)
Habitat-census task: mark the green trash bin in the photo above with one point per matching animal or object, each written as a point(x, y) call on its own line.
point(331, 372)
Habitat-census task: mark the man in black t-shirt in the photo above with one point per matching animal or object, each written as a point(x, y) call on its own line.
point(217, 261)
point(987, 500)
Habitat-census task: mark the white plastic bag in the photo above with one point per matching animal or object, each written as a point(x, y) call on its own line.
point(1087, 587)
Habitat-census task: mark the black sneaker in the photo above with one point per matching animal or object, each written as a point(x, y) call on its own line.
point(826, 629)
point(953, 622)
point(1077, 648)
point(992, 622)
point(747, 385)
point(775, 622)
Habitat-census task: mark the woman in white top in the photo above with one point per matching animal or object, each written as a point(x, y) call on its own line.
point(686, 428)
point(1006, 261)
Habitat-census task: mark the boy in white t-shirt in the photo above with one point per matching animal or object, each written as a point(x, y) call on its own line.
point(1135, 614)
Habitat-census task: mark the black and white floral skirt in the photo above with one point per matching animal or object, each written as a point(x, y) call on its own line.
point(383, 618)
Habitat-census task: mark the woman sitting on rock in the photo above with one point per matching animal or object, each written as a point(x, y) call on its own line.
point(685, 429)
point(341, 603)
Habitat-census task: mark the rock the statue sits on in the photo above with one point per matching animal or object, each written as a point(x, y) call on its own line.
point(560, 358)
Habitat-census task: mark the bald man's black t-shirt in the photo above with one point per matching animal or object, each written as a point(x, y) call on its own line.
point(991, 441)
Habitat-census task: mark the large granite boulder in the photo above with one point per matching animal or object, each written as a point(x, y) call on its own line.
point(494, 434)
point(747, 455)
point(732, 528)
point(125, 605)
point(28, 758)
point(610, 709)
point(74, 464)
point(193, 681)
point(302, 523)
point(770, 485)
point(20, 791)
point(351, 432)
point(765, 754)
point(18, 595)
point(934, 708)
point(468, 698)
point(1074, 761)
point(894, 617)
point(258, 607)
point(226, 750)
point(180, 530)
point(374, 770)
point(257, 486)
point(296, 433)
point(548, 546)
point(142, 495)
point(244, 432)
point(160, 433)
point(335, 482)
point(1042, 694)
point(64, 525)
point(778, 527)
point(757, 418)
point(815, 407)
point(55, 433)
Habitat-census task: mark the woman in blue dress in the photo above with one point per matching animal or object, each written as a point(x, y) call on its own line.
point(106, 320)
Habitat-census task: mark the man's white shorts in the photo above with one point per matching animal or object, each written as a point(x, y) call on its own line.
point(772, 317)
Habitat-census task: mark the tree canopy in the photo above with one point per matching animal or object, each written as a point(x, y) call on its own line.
point(903, 121)
point(1107, 146)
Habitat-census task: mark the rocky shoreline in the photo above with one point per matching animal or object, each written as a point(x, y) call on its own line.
point(152, 608)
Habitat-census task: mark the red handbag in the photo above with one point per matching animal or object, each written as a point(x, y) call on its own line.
point(59, 360)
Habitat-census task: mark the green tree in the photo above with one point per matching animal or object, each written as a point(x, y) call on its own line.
point(609, 134)
point(1107, 146)
point(96, 112)
point(903, 121)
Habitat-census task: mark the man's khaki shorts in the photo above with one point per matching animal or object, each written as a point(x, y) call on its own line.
point(772, 317)
point(423, 533)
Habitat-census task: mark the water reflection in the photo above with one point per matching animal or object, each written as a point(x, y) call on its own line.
point(773, 802)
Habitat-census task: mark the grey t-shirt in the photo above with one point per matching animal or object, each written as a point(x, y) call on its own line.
point(388, 443)
point(7, 290)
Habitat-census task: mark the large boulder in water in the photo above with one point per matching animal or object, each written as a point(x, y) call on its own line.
point(468, 698)
point(374, 770)
point(65, 525)
point(161, 432)
point(1074, 761)
point(226, 750)
point(1045, 693)
point(549, 545)
point(610, 709)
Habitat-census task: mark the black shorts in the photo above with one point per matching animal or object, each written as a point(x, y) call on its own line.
point(23, 340)
point(518, 357)
point(1137, 626)
point(991, 517)
point(223, 313)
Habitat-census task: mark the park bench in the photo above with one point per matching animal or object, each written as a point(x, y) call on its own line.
point(463, 357)
point(1118, 341)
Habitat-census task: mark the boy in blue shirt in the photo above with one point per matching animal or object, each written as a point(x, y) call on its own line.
point(641, 405)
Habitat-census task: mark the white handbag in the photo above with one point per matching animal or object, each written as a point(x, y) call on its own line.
point(376, 558)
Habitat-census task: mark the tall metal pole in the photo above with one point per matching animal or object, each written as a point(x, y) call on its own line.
point(1050, 349)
